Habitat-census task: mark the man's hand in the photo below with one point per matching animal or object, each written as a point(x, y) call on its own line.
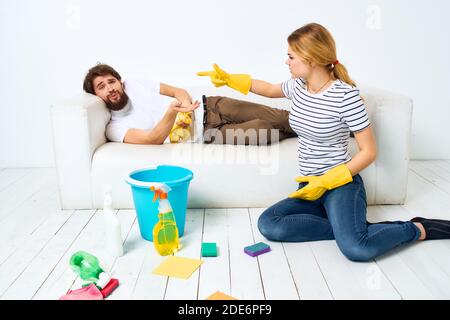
point(182, 130)
point(185, 106)
point(183, 109)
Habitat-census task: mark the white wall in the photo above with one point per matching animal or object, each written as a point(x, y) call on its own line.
point(48, 45)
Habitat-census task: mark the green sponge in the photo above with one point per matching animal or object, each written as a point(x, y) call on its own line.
point(209, 249)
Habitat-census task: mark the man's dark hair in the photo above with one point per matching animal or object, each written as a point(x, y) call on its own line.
point(98, 70)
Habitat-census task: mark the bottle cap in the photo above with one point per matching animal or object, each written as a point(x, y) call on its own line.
point(107, 188)
point(103, 279)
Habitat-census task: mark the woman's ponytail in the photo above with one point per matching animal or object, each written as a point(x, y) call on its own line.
point(340, 72)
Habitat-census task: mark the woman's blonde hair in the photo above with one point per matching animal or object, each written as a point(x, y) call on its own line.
point(314, 43)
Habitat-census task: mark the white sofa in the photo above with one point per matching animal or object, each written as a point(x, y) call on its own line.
point(224, 175)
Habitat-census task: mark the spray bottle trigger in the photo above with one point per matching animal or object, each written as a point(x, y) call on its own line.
point(156, 191)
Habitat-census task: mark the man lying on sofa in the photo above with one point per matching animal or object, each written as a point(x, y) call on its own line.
point(140, 114)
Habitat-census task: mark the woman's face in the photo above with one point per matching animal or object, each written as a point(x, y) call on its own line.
point(298, 67)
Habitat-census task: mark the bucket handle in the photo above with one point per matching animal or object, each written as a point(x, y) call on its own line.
point(144, 184)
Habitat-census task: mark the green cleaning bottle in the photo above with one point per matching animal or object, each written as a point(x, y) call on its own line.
point(87, 267)
point(165, 231)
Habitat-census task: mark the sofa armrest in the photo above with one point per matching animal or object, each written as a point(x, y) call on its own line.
point(391, 116)
point(78, 127)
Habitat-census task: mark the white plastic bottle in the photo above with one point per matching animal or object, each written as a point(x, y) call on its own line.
point(113, 234)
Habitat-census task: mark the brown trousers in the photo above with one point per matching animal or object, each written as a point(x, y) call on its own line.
point(231, 121)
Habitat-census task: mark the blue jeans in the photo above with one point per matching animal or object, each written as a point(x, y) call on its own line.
point(339, 214)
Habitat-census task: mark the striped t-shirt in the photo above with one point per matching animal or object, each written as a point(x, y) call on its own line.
point(323, 123)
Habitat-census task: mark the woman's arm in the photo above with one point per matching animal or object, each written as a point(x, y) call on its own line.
point(367, 151)
point(266, 89)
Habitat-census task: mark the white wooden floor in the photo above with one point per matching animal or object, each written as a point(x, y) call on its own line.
point(37, 239)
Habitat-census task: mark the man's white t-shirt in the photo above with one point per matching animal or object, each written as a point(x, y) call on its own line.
point(145, 108)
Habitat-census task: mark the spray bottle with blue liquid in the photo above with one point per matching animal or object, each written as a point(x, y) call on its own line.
point(165, 231)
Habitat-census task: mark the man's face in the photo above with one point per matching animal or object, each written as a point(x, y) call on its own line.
point(111, 91)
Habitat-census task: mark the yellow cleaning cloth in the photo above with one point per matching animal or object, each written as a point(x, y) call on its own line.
point(178, 267)
point(220, 296)
point(182, 129)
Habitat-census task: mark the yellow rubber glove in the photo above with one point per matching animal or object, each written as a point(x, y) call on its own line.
point(318, 185)
point(239, 82)
point(182, 128)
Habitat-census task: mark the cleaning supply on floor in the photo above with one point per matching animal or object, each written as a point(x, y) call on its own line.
point(257, 249)
point(140, 181)
point(218, 295)
point(209, 249)
point(113, 232)
point(165, 231)
point(87, 267)
point(110, 287)
point(90, 292)
point(178, 267)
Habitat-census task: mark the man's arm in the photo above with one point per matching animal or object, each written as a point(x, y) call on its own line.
point(180, 94)
point(156, 135)
point(159, 133)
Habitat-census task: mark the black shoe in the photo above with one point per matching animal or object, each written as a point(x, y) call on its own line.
point(434, 228)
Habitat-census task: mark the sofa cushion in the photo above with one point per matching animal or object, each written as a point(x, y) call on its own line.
point(251, 167)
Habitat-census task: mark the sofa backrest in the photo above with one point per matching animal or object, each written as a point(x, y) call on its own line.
point(373, 97)
point(370, 95)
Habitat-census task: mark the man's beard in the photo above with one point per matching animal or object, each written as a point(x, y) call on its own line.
point(119, 105)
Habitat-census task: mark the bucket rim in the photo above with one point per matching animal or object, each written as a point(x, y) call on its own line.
point(170, 183)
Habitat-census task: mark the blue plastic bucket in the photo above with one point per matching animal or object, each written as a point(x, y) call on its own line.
point(177, 178)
